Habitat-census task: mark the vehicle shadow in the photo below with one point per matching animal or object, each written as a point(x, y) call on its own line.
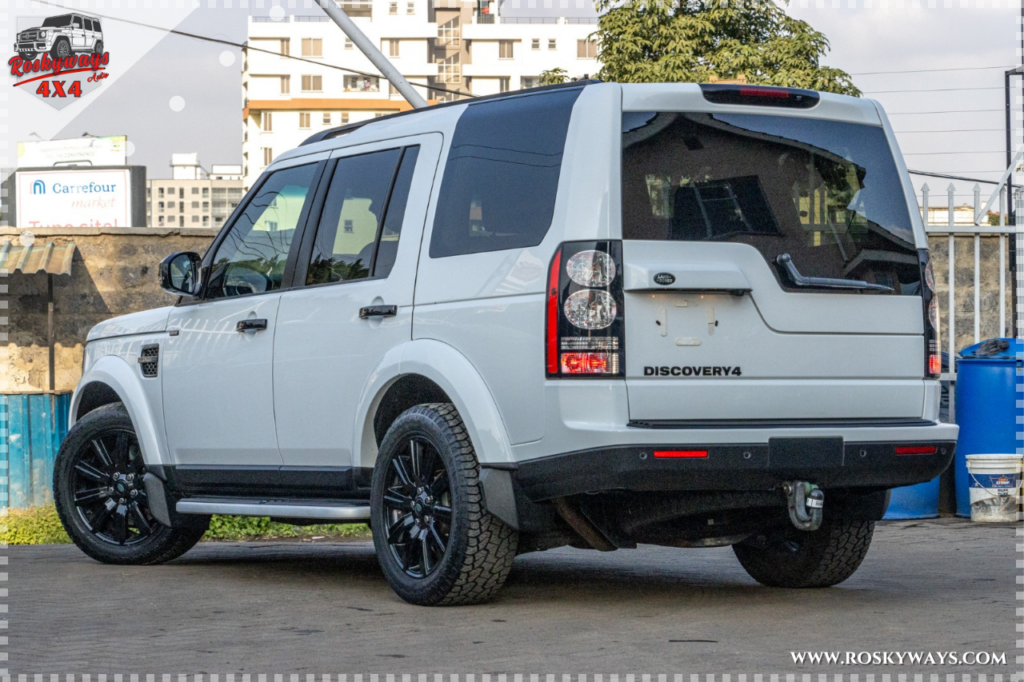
point(657, 574)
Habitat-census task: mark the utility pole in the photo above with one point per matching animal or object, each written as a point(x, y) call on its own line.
point(376, 57)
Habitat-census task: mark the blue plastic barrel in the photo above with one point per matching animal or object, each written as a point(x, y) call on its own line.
point(919, 501)
point(987, 390)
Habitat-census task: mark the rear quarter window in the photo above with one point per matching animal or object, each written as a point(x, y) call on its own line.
point(500, 182)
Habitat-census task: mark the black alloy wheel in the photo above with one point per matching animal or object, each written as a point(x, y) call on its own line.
point(418, 508)
point(435, 540)
point(62, 49)
point(108, 492)
point(101, 498)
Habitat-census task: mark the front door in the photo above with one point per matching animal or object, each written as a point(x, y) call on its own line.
point(363, 256)
point(218, 360)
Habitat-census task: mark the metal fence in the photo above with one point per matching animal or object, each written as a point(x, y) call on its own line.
point(981, 229)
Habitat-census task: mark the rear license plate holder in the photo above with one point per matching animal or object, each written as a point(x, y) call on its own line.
point(805, 453)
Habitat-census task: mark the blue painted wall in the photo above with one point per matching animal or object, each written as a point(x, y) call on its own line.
point(35, 426)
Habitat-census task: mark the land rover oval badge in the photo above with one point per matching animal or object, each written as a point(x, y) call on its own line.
point(664, 278)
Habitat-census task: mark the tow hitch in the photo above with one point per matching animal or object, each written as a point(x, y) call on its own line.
point(806, 502)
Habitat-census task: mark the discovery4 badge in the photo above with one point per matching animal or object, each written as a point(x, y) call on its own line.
point(692, 371)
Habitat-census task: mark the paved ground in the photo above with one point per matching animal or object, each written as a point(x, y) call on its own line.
point(325, 608)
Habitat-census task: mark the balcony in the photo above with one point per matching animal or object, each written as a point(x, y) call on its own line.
point(357, 8)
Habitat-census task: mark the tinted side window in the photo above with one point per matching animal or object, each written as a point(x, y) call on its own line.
point(252, 257)
point(343, 250)
point(387, 248)
point(88, 25)
point(77, 22)
point(96, 26)
point(500, 182)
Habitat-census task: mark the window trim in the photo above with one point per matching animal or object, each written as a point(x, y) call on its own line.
point(319, 161)
point(313, 226)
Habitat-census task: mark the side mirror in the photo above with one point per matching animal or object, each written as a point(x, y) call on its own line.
point(180, 274)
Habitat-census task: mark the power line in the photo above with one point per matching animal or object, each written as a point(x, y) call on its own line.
point(994, 151)
point(948, 111)
point(961, 68)
point(244, 46)
point(954, 177)
point(959, 130)
point(882, 92)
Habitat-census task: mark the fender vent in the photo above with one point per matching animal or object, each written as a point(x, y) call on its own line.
point(149, 360)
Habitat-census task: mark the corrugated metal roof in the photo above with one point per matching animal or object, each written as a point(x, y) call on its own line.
point(39, 257)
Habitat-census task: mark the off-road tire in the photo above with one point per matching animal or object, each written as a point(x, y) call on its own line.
point(480, 548)
point(98, 47)
point(163, 544)
point(27, 56)
point(787, 557)
point(55, 51)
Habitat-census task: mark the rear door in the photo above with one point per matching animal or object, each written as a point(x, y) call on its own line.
point(771, 269)
point(358, 266)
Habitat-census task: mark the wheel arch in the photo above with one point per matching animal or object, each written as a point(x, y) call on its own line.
point(111, 379)
point(425, 371)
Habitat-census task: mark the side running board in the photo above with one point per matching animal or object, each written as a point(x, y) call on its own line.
point(285, 509)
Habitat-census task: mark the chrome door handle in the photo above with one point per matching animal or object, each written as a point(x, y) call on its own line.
point(378, 311)
point(251, 325)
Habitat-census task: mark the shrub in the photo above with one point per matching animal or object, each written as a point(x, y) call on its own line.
point(41, 526)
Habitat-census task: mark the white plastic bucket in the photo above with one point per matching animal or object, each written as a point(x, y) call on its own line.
point(995, 483)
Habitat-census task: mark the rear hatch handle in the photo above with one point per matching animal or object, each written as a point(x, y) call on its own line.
point(785, 263)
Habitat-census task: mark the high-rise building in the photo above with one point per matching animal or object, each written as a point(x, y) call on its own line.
point(193, 197)
point(446, 48)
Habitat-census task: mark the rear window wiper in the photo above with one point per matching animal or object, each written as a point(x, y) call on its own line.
point(785, 263)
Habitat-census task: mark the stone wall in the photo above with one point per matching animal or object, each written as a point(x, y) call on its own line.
point(964, 289)
point(115, 272)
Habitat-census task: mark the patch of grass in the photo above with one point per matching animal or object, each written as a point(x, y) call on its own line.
point(33, 526)
point(41, 526)
point(262, 528)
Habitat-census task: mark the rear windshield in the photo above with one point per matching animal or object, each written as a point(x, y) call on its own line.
point(824, 193)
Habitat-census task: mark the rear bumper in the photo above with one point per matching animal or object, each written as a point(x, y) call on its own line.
point(733, 467)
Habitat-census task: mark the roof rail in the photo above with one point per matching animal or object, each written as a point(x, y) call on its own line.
point(350, 127)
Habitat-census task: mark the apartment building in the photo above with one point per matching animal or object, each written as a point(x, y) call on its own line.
point(448, 49)
point(193, 196)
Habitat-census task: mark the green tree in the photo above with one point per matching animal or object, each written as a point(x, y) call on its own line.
point(696, 41)
point(553, 76)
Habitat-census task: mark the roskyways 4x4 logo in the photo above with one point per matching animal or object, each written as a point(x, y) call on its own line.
point(60, 59)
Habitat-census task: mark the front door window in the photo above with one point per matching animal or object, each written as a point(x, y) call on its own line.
point(252, 258)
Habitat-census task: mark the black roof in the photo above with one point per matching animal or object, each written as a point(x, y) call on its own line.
point(348, 128)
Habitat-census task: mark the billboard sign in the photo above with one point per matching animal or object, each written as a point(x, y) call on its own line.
point(74, 198)
point(81, 151)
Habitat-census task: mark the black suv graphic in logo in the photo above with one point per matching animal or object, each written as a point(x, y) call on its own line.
point(48, 55)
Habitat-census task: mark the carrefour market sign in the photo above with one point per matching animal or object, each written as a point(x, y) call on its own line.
point(74, 198)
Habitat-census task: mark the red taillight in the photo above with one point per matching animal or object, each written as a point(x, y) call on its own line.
point(552, 330)
point(916, 450)
point(585, 335)
point(589, 363)
point(932, 357)
point(680, 454)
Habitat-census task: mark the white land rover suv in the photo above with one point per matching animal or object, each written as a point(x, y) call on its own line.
point(594, 315)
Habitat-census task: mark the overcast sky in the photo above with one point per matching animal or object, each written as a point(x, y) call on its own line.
point(150, 67)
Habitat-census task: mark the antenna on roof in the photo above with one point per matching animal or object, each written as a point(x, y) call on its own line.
point(376, 57)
